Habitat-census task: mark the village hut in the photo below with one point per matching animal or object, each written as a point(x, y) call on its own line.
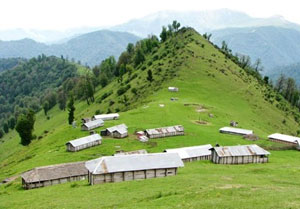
point(241, 154)
point(284, 139)
point(84, 142)
point(165, 131)
point(238, 131)
point(132, 167)
point(173, 89)
point(135, 152)
point(194, 153)
point(92, 125)
point(54, 174)
point(111, 116)
point(119, 131)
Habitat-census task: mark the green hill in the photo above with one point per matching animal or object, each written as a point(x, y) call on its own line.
point(208, 83)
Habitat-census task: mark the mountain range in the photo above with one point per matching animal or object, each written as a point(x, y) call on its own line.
point(274, 40)
point(90, 48)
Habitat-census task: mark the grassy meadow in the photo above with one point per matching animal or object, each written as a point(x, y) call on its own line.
point(208, 84)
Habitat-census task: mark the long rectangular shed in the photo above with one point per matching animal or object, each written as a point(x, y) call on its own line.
point(284, 139)
point(111, 116)
point(177, 130)
point(54, 174)
point(92, 125)
point(238, 131)
point(84, 142)
point(241, 154)
point(132, 167)
point(188, 154)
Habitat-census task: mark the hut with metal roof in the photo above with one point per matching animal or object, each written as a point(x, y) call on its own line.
point(54, 174)
point(135, 152)
point(132, 167)
point(111, 116)
point(118, 131)
point(165, 131)
point(241, 154)
point(92, 125)
point(188, 154)
point(84, 142)
point(284, 139)
point(238, 131)
point(173, 89)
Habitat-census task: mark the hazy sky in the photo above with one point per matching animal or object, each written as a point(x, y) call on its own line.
point(63, 14)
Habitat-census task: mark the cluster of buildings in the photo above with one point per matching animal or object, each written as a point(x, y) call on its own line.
point(139, 164)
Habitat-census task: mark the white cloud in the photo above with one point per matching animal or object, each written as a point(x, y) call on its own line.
point(64, 14)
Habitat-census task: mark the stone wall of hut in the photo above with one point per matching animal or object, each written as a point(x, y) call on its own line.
point(130, 175)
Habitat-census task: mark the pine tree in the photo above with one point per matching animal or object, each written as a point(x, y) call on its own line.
point(71, 110)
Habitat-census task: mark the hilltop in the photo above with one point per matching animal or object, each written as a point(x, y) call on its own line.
point(209, 83)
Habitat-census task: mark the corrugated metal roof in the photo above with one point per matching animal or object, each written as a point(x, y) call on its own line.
point(55, 172)
point(112, 164)
point(163, 130)
point(190, 152)
point(94, 123)
point(122, 128)
point(283, 137)
point(110, 116)
point(85, 140)
point(240, 150)
point(236, 130)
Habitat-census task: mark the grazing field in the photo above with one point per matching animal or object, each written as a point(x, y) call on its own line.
point(203, 89)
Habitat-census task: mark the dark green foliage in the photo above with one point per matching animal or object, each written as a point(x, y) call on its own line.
point(122, 90)
point(71, 110)
point(5, 127)
point(12, 122)
point(25, 127)
point(139, 57)
point(9, 63)
point(149, 77)
point(46, 107)
point(164, 34)
point(1, 133)
point(32, 83)
point(62, 99)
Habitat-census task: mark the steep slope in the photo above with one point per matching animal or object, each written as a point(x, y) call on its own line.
point(202, 21)
point(208, 83)
point(9, 63)
point(90, 48)
point(275, 46)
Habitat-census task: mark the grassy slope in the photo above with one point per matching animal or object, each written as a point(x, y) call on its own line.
point(199, 184)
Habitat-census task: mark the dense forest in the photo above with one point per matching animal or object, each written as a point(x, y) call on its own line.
point(9, 63)
point(29, 85)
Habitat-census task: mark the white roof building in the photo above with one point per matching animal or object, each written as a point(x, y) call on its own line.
point(239, 131)
point(137, 162)
point(171, 88)
point(111, 116)
point(192, 152)
point(284, 138)
point(240, 150)
point(122, 128)
point(92, 124)
point(85, 140)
